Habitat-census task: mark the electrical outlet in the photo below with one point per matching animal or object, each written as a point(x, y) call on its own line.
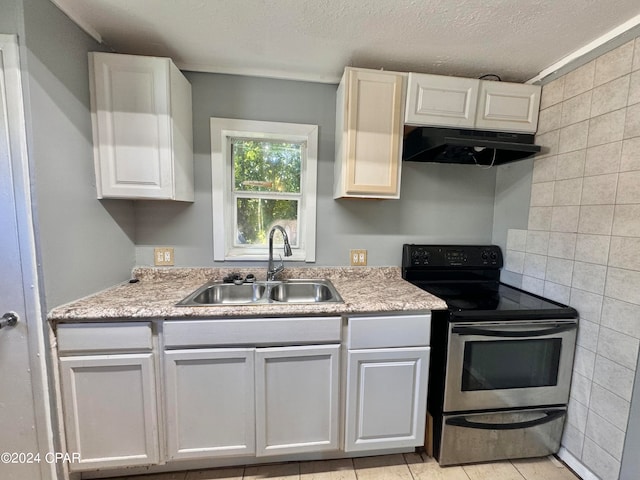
point(358, 258)
point(163, 256)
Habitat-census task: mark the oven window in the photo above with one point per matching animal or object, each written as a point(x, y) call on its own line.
point(503, 364)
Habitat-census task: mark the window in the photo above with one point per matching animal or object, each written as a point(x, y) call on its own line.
point(264, 174)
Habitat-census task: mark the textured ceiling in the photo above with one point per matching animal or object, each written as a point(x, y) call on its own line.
point(316, 39)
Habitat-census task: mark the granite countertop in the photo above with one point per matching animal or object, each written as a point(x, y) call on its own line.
point(363, 289)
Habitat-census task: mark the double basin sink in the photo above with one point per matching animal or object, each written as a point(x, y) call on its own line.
point(259, 293)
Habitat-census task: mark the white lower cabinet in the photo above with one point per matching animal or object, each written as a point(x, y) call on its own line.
point(110, 410)
point(386, 398)
point(297, 396)
point(209, 402)
point(387, 368)
point(218, 403)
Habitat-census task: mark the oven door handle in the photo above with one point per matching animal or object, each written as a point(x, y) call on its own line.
point(511, 333)
point(550, 415)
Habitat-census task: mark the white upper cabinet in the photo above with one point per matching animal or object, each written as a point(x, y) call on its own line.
point(369, 134)
point(441, 101)
point(510, 107)
point(142, 127)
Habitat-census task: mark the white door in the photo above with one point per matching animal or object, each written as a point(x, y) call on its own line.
point(297, 399)
point(210, 402)
point(386, 398)
point(23, 418)
point(110, 410)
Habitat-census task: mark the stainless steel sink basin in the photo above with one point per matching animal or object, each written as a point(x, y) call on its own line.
point(224, 294)
point(304, 291)
point(260, 293)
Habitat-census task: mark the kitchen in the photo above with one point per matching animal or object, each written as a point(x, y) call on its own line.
point(478, 207)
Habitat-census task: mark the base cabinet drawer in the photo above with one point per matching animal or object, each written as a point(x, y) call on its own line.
point(109, 406)
point(386, 398)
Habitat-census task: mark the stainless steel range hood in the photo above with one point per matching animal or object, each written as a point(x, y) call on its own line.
point(451, 145)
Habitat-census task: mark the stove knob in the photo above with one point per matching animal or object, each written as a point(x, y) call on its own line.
point(484, 255)
point(494, 256)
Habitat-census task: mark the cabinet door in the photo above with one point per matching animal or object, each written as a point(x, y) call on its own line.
point(386, 398)
point(109, 406)
point(209, 402)
point(508, 107)
point(132, 127)
point(437, 100)
point(374, 134)
point(297, 399)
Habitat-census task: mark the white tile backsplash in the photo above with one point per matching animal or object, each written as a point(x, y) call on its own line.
point(565, 219)
point(605, 434)
point(589, 202)
point(614, 64)
point(589, 277)
point(570, 165)
point(592, 248)
point(630, 158)
point(603, 464)
point(623, 285)
point(537, 242)
point(589, 305)
point(574, 137)
point(552, 93)
point(535, 266)
point(613, 376)
point(544, 169)
point(595, 219)
point(581, 387)
point(621, 316)
point(632, 121)
point(610, 406)
point(567, 192)
point(603, 159)
point(626, 221)
point(514, 261)
point(606, 128)
point(562, 245)
point(610, 96)
point(618, 347)
point(575, 110)
point(579, 80)
point(628, 188)
point(540, 218)
point(625, 253)
point(559, 270)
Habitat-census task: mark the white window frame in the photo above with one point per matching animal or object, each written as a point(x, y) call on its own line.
point(222, 129)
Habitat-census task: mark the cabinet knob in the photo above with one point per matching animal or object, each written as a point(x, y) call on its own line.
point(9, 319)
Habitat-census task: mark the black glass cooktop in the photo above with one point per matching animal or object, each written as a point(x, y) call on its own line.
point(473, 300)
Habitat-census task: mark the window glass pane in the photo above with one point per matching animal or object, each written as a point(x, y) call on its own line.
point(256, 217)
point(266, 166)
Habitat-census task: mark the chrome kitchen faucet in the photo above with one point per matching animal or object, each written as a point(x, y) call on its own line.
point(271, 270)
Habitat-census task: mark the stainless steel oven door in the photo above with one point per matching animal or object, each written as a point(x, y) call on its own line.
point(509, 364)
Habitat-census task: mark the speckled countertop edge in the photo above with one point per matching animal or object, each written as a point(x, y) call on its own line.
point(363, 289)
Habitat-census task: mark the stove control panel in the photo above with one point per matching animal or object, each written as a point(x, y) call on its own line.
point(452, 256)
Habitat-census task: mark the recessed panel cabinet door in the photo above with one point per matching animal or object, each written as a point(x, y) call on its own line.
point(297, 399)
point(109, 405)
point(210, 402)
point(511, 107)
point(386, 398)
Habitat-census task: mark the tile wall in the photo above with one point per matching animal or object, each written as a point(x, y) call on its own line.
point(582, 245)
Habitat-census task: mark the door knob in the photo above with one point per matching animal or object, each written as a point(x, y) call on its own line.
point(9, 319)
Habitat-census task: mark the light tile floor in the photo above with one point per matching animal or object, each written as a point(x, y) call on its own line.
point(411, 466)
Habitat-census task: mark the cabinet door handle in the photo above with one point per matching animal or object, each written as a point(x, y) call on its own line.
point(9, 319)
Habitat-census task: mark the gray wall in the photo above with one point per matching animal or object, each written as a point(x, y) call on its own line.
point(11, 17)
point(85, 245)
point(511, 206)
point(439, 203)
point(630, 469)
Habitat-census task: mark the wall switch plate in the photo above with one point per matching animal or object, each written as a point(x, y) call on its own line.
point(358, 258)
point(163, 256)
